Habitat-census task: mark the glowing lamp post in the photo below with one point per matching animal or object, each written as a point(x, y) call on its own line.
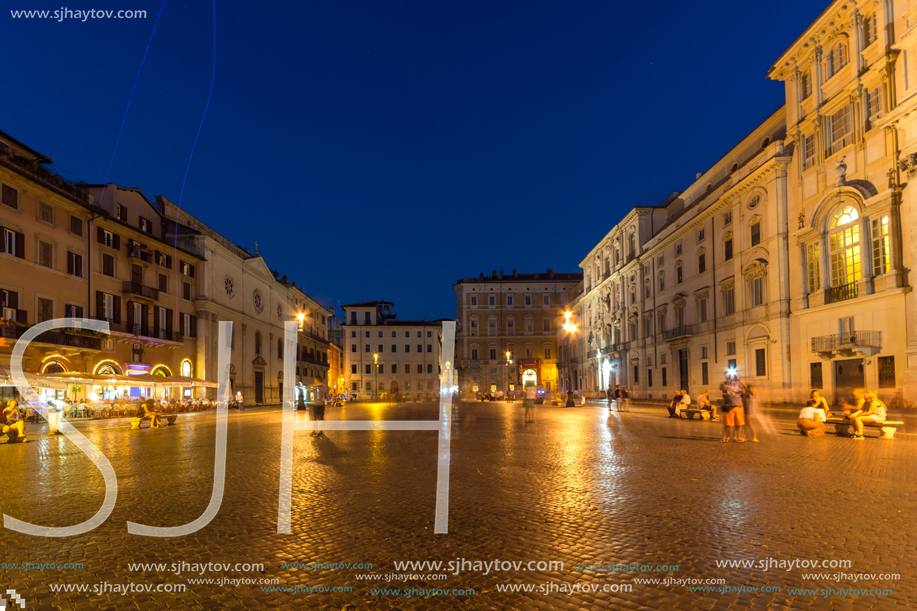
point(376, 369)
point(301, 318)
point(570, 328)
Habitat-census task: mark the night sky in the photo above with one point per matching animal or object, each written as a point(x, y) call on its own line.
point(382, 150)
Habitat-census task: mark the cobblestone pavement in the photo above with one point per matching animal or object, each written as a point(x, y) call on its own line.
point(582, 485)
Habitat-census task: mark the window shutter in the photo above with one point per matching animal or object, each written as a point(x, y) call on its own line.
point(101, 233)
point(168, 261)
point(100, 305)
point(20, 245)
point(22, 316)
point(193, 326)
point(117, 308)
point(169, 322)
point(13, 298)
point(145, 314)
point(116, 241)
point(130, 316)
point(191, 270)
point(70, 263)
point(156, 320)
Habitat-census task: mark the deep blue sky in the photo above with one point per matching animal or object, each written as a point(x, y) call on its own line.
point(382, 150)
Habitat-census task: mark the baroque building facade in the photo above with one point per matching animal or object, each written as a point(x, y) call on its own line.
point(238, 286)
point(788, 261)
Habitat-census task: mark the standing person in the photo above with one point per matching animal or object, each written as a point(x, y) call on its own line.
point(300, 398)
point(617, 397)
point(317, 412)
point(673, 405)
point(239, 400)
point(731, 389)
point(625, 397)
point(750, 405)
point(704, 404)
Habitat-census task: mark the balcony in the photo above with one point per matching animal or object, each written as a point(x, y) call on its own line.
point(135, 288)
point(317, 338)
point(841, 293)
point(71, 339)
point(140, 254)
point(847, 344)
point(678, 332)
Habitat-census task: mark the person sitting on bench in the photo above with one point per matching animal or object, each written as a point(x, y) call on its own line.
point(811, 422)
point(820, 403)
point(872, 410)
point(12, 421)
point(703, 403)
point(673, 406)
point(150, 412)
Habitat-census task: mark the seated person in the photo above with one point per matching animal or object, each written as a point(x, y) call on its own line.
point(811, 421)
point(703, 403)
point(12, 421)
point(820, 403)
point(685, 403)
point(673, 406)
point(870, 410)
point(150, 411)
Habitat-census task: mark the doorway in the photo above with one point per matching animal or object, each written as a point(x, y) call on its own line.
point(259, 387)
point(529, 378)
point(848, 375)
point(683, 369)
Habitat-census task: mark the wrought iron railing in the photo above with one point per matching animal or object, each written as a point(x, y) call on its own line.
point(841, 293)
point(850, 340)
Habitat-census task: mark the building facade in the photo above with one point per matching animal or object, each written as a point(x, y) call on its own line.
point(390, 359)
point(237, 286)
point(787, 261)
point(506, 336)
point(70, 251)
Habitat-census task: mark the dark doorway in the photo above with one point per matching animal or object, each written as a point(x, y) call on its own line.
point(259, 387)
point(848, 375)
point(683, 370)
point(136, 274)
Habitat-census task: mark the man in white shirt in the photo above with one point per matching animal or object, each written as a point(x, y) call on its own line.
point(811, 420)
point(683, 404)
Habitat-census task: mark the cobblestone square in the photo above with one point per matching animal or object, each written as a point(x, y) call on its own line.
point(585, 486)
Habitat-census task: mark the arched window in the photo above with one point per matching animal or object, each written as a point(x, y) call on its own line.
point(257, 342)
point(844, 246)
point(186, 370)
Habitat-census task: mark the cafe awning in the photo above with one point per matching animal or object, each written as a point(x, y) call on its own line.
point(170, 381)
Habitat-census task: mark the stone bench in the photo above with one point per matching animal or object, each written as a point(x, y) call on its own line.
point(702, 414)
point(887, 429)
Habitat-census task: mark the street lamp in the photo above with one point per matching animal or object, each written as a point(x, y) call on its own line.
point(509, 361)
point(376, 369)
point(301, 317)
point(570, 328)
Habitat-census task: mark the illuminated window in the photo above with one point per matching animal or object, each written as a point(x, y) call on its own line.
point(844, 247)
point(837, 58)
point(186, 368)
point(881, 255)
point(806, 84)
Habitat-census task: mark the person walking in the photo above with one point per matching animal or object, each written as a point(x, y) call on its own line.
point(239, 400)
point(750, 405)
